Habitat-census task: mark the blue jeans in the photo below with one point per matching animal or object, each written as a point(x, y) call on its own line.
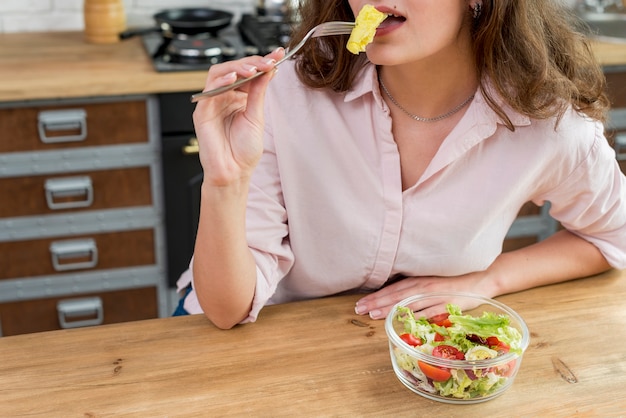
point(180, 310)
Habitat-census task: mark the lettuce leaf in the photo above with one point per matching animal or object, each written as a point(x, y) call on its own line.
point(487, 325)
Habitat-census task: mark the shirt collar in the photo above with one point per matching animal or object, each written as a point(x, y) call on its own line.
point(366, 82)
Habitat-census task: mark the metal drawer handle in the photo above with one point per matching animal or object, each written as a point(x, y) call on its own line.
point(69, 187)
point(51, 121)
point(83, 251)
point(88, 308)
point(192, 147)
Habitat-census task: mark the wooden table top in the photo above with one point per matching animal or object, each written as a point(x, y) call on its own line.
point(314, 358)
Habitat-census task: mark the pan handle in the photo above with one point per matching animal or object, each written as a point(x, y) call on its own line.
point(130, 33)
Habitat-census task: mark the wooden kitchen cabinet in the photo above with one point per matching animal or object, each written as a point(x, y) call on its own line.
point(39, 127)
point(37, 315)
point(116, 188)
point(616, 127)
point(81, 219)
point(107, 250)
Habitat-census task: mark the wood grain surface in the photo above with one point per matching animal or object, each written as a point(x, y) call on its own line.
point(314, 358)
point(53, 65)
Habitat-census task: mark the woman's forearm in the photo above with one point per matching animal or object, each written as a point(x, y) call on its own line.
point(223, 267)
point(561, 257)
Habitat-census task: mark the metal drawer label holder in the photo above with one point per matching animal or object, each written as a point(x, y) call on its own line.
point(50, 121)
point(69, 187)
point(84, 251)
point(90, 309)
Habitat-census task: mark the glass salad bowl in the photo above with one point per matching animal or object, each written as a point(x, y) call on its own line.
point(456, 347)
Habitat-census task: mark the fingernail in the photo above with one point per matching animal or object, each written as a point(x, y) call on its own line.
point(375, 314)
point(278, 49)
point(270, 61)
point(360, 309)
point(250, 67)
point(230, 76)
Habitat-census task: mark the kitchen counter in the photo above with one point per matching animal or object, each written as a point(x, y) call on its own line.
point(54, 65)
point(610, 54)
point(313, 358)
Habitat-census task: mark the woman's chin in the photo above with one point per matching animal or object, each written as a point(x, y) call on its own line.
point(378, 58)
point(384, 54)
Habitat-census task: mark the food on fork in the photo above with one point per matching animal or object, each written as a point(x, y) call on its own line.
point(364, 30)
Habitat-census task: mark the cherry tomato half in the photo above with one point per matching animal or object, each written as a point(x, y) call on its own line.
point(434, 373)
point(505, 370)
point(500, 346)
point(439, 337)
point(441, 320)
point(411, 339)
point(448, 352)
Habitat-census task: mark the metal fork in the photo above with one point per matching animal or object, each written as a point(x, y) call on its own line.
point(323, 29)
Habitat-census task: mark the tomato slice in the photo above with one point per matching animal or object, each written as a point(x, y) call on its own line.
point(434, 373)
point(506, 370)
point(439, 337)
point(441, 320)
point(495, 344)
point(411, 339)
point(448, 352)
point(493, 341)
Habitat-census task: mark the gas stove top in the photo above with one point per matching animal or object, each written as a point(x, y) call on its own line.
point(252, 35)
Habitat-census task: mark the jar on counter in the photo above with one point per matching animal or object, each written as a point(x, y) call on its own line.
point(104, 20)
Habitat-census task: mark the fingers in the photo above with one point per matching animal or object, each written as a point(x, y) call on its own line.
point(216, 115)
point(228, 72)
point(379, 304)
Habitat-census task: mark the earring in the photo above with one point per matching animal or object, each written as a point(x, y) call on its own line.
point(477, 9)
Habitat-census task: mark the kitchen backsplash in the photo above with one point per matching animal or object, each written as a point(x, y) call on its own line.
point(67, 15)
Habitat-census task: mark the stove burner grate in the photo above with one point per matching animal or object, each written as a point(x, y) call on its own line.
point(251, 36)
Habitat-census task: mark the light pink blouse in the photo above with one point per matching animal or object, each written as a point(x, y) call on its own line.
point(327, 213)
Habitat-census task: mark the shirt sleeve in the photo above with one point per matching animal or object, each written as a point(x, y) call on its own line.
point(591, 201)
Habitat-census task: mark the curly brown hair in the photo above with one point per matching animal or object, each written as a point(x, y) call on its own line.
point(531, 51)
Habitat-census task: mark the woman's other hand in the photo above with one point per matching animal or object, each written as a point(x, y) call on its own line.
point(560, 257)
point(378, 304)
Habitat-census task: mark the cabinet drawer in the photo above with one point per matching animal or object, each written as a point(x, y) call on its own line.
point(58, 193)
point(38, 315)
point(50, 256)
point(616, 87)
point(54, 127)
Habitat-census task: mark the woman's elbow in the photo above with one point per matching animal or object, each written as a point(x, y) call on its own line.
point(221, 322)
point(225, 317)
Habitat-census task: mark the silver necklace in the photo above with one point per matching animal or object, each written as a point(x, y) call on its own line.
point(419, 118)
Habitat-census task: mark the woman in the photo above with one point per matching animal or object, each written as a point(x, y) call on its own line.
point(399, 171)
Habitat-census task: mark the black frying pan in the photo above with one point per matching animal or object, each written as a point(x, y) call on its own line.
point(188, 21)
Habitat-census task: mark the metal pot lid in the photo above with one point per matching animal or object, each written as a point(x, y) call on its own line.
point(199, 48)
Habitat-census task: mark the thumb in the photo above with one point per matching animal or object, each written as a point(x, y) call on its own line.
point(256, 95)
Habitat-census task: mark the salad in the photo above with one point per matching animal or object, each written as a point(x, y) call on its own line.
point(455, 336)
